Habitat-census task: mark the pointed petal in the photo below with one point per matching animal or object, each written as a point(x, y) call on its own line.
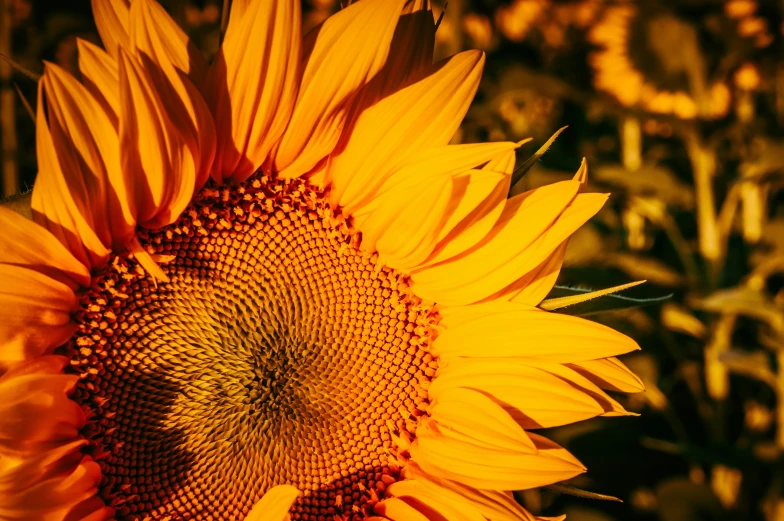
point(26, 244)
point(53, 205)
point(476, 224)
point(423, 115)
point(101, 78)
point(398, 510)
point(527, 232)
point(610, 373)
point(509, 329)
point(493, 504)
point(536, 394)
point(427, 501)
point(275, 504)
point(35, 313)
point(251, 92)
point(428, 163)
point(111, 18)
point(448, 458)
point(87, 149)
point(411, 50)
point(154, 33)
point(167, 56)
point(68, 492)
point(34, 404)
point(22, 469)
point(404, 227)
point(474, 418)
point(500, 253)
point(330, 80)
point(153, 151)
point(535, 285)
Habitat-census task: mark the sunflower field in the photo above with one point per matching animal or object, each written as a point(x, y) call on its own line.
point(677, 108)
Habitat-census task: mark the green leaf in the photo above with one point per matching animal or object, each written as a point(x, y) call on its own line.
point(583, 302)
point(520, 171)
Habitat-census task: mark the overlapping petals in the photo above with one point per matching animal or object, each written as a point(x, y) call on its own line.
point(340, 56)
point(358, 108)
point(251, 91)
point(43, 474)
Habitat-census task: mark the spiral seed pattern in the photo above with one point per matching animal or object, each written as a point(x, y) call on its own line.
point(278, 352)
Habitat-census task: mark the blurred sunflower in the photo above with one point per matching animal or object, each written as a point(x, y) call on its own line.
point(552, 19)
point(638, 68)
point(268, 286)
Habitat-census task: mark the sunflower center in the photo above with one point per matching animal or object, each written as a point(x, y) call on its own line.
point(276, 353)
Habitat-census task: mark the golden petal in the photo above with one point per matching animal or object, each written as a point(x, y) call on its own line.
point(275, 504)
point(522, 238)
point(448, 458)
point(153, 151)
point(510, 329)
point(341, 55)
point(112, 21)
point(176, 70)
point(251, 92)
point(101, 78)
point(423, 115)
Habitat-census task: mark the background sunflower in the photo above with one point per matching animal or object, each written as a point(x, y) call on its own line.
point(679, 108)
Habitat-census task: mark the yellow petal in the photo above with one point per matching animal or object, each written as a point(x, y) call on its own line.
point(167, 56)
point(510, 329)
point(423, 115)
point(448, 458)
point(274, 505)
point(493, 504)
point(87, 149)
point(417, 496)
point(404, 227)
point(35, 313)
point(474, 418)
point(153, 151)
point(535, 285)
point(154, 33)
point(411, 50)
point(251, 91)
point(111, 18)
point(610, 373)
point(410, 55)
point(69, 492)
point(28, 245)
point(343, 53)
point(511, 248)
point(429, 163)
point(23, 469)
point(101, 78)
point(53, 205)
point(477, 223)
point(34, 404)
point(536, 394)
point(398, 510)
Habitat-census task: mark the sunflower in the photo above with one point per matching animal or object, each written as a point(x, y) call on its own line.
point(269, 287)
point(631, 66)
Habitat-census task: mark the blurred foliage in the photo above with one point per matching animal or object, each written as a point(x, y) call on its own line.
point(678, 107)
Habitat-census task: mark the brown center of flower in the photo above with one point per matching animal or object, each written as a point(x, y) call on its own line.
point(276, 353)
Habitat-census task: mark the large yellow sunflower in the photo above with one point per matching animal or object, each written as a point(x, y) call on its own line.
point(268, 286)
